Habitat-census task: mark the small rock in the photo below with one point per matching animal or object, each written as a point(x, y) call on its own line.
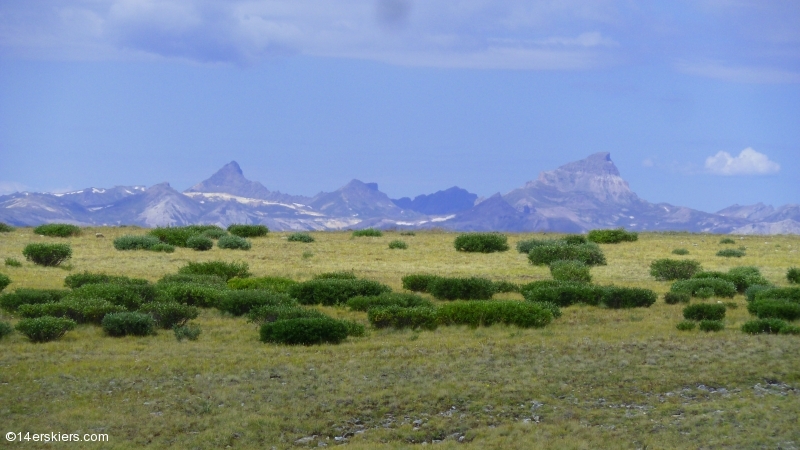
point(305, 440)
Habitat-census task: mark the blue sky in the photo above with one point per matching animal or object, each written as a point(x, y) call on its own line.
point(697, 101)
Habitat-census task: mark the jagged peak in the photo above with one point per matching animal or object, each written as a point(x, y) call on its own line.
point(597, 164)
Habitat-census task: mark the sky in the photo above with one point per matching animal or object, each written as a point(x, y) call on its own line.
point(697, 101)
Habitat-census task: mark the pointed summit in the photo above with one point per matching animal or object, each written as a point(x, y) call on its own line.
point(357, 199)
point(230, 180)
point(595, 176)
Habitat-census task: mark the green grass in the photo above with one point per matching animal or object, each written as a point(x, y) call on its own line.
point(593, 378)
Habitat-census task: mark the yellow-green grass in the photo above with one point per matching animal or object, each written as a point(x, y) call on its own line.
point(595, 378)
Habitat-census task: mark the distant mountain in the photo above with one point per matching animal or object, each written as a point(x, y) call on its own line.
point(230, 180)
point(358, 199)
point(445, 202)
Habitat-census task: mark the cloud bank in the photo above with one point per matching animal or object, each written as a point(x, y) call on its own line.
point(749, 162)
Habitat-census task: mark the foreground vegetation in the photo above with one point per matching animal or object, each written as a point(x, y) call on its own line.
point(593, 378)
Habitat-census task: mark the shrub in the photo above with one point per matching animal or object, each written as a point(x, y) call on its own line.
point(354, 328)
point(44, 329)
point(192, 294)
point(539, 284)
point(774, 309)
point(680, 251)
point(131, 296)
point(300, 237)
point(136, 242)
point(205, 280)
point(750, 293)
point(398, 244)
point(242, 301)
point(400, 317)
point(273, 313)
point(672, 298)
point(274, 284)
point(793, 274)
point(552, 307)
point(472, 288)
point(575, 239)
point(5, 329)
point(47, 254)
point(214, 233)
point(727, 241)
point(686, 325)
point(340, 275)
point(526, 245)
point(334, 291)
point(190, 332)
point(625, 297)
point(505, 286)
point(169, 314)
point(81, 310)
point(589, 254)
point(77, 280)
point(481, 242)
point(248, 231)
point(570, 271)
point(367, 232)
point(704, 311)
point(128, 323)
point(5, 228)
point(175, 236)
point(161, 247)
point(564, 294)
point(768, 326)
point(58, 230)
point(741, 277)
point(510, 312)
point(13, 262)
point(418, 282)
point(199, 242)
point(731, 253)
point(612, 236)
point(711, 325)
point(231, 242)
point(407, 233)
point(674, 269)
point(226, 270)
point(304, 331)
point(403, 300)
point(4, 281)
point(13, 300)
point(785, 293)
point(696, 287)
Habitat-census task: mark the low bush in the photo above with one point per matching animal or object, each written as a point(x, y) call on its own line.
point(407, 233)
point(612, 236)
point(674, 269)
point(304, 331)
point(47, 254)
point(175, 236)
point(563, 294)
point(334, 291)
point(774, 309)
point(300, 237)
point(418, 282)
point(226, 270)
point(76, 280)
point(525, 246)
point(680, 251)
point(190, 332)
point(13, 262)
point(164, 248)
point(510, 312)
point(169, 314)
point(131, 296)
point(81, 310)
point(704, 311)
point(711, 325)
point(5, 329)
point(45, 329)
point(240, 302)
point(792, 275)
point(340, 275)
point(403, 300)
point(6, 228)
point(505, 286)
point(398, 245)
point(205, 280)
point(199, 242)
point(686, 325)
point(273, 313)
point(401, 317)
point(575, 239)
point(481, 242)
point(192, 294)
point(214, 233)
point(589, 253)
point(11, 301)
point(367, 232)
point(750, 293)
point(552, 307)
point(539, 284)
point(625, 297)
point(248, 231)
point(673, 298)
point(231, 242)
point(274, 284)
point(697, 287)
point(783, 293)
point(4, 281)
point(354, 328)
point(472, 288)
point(58, 230)
point(570, 270)
point(136, 242)
point(741, 277)
point(727, 241)
point(731, 253)
point(128, 323)
point(768, 326)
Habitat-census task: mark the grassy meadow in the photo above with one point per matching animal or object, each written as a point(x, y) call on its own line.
point(594, 378)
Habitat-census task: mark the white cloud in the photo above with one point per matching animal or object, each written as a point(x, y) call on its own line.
point(749, 162)
point(739, 74)
point(9, 187)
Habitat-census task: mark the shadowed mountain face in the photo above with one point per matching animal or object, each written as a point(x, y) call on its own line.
point(445, 202)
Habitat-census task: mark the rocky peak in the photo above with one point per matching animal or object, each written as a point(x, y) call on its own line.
point(230, 180)
point(596, 175)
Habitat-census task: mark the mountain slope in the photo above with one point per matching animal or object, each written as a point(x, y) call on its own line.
point(445, 202)
point(361, 200)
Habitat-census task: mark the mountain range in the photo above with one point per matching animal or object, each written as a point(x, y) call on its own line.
point(575, 197)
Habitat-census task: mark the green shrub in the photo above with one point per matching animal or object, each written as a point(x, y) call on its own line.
point(47, 254)
point(731, 253)
point(704, 311)
point(175, 236)
point(58, 230)
point(77, 280)
point(481, 242)
point(673, 298)
point(44, 329)
point(509, 312)
point(128, 323)
point(400, 317)
point(727, 241)
point(300, 237)
point(11, 301)
point(612, 236)
point(4, 281)
point(505, 286)
point(539, 284)
point(750, 293)
point(5, 228)
point(624, 297)
point(686, 325)
point(768, 326)
point(418, 282)
point(131, 296)
point(367, 232)
point(274, 284)
point(136, 242)
point(273, 313)
point(785, 293)
point(354, 328)
point(248, 231)
point(199, 242)
point(226, 270)
point(741, 277)
point(167, 315)
point(205, 280)
point(790, 329)
point(589, 254)
point(165, 248)
point(214, 233)
point(407, 233)
point(472, 288)
point(81, 310)
point(697, 286)
point(574, 239)
point(403, 300)
point(340, 275)
point(231, 242)
point(674, 269)
point(552, 307)
point(13, 262)
point(398, 244)
point(304, 331)
point(334, 291)
point(192, 294)
point(711, 325)
point(570, 270)
point(680, 251)
point(526, 245)
point(793, 274)
point(57, 309)
point(242, 301)
point(190, 332)
point(5, 329)
point(774, 309)
point(563, 294)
